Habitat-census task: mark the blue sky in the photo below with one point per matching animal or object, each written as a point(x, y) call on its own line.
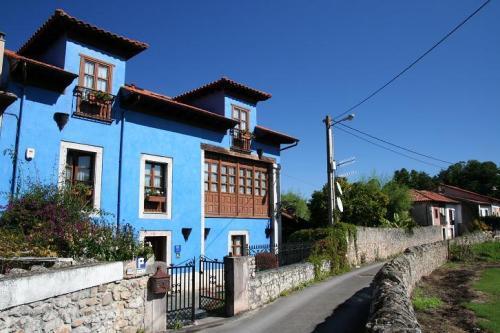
point(318, 58)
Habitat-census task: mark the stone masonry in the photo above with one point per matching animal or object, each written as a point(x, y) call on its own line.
point(372, 244)
point(113, 307)
point(391, 308)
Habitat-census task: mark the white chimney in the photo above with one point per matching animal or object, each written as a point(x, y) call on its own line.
point(2, 49)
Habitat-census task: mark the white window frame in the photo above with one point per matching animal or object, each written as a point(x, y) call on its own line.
point(168, 161)
point(63, 153)
point(237, 233)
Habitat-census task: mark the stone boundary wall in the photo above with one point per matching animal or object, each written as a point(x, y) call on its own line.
point(372, 244)
point(75, 299)
point(264, 287)
point(391, 308)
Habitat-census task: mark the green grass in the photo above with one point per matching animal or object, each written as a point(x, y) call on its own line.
point(488, 312)
point(489, 251)
point(423, 302)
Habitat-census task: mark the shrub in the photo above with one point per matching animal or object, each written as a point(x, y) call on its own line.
point(330, 244)
point(266, 260)
point(47, 221)
point(461, 252)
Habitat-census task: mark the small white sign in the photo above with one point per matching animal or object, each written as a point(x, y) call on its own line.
point(340, 205)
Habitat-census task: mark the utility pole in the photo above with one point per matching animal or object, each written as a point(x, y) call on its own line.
point(330, 164)
point(330, 170)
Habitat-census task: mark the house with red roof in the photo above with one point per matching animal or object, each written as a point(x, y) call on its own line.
point(195, 174)
point(433, 209)
point(474, 205)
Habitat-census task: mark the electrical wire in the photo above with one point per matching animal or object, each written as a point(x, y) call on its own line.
point(407, 68)
point(397, 146)
point(389, 149)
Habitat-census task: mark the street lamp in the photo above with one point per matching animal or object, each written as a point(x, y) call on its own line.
point(330, 163)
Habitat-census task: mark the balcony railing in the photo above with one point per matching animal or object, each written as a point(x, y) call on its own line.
point(92, 103)
point(241, 140)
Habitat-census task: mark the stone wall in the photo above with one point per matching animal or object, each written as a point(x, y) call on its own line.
point(391, 308)
point(372, 244)
point(117, 306)
point(266, 286)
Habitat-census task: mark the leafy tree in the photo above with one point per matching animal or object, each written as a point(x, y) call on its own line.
point(399, 199)
point(418, 180)
point(296, 204)
point(365, 203)
point(476, 176)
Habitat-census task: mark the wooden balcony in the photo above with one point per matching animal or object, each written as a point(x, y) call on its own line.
point(241, 140)
point(93, 104)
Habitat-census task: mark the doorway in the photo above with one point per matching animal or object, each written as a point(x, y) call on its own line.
point(161, 242)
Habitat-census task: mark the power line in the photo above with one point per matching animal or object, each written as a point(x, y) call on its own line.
point(389, 149)
point(397, 146)
point(415, 61)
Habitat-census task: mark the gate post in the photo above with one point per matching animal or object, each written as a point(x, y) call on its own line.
point(155, 316)
point(236, 274)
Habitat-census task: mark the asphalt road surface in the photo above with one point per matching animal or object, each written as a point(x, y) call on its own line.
point(340, 304)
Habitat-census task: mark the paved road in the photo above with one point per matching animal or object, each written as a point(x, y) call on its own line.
point(340, 304)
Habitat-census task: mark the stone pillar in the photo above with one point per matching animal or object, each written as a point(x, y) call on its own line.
point(155, 314)
point(236, 273)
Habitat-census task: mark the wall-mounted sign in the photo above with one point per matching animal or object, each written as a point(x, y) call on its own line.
point(177, 250)
point(141, 265)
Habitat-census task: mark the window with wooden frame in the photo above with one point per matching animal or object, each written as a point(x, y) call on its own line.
point(95, 74)
point(235, 187)
point(93, 93)
point(80, 167)
point(243, 117)
point(237, 245)
point(155, 187)
point(241, 136)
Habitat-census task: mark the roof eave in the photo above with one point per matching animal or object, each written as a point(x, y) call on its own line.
point(161, 107)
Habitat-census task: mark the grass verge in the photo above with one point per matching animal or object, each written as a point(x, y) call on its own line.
point(422, 302)
point(489, 311)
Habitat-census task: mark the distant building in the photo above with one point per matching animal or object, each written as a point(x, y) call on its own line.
point(430, 208)
point(474, 205)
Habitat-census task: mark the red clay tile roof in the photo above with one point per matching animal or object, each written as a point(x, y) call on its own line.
point(470, 196)
point(268, 135)
point(224, 83)
point(165, 106)
point(14, 55)
point(421, 195)
point(61, 22)
point(39, 73)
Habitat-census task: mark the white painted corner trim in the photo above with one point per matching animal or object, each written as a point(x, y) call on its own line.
point(168, 200)
point(98, 151)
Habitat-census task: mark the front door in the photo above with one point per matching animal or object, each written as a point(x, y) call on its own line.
point(435, 216)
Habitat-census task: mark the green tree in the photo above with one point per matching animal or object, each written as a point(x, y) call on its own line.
point(295, 203)
point(476, 176)
point(418, 180)
point(399, 199)
point(365, 203)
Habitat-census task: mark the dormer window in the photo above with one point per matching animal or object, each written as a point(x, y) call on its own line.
point(241, 133)
point(95, 74)
point(93, 94)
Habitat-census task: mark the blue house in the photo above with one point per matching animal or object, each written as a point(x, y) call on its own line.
point(195, 174)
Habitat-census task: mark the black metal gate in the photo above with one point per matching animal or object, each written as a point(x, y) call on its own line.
point(211, 289)
point(181, 297)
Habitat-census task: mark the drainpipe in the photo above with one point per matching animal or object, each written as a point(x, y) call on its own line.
point(290, 146)
point(118, 204)
point(13, 186)
point(2, 50)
